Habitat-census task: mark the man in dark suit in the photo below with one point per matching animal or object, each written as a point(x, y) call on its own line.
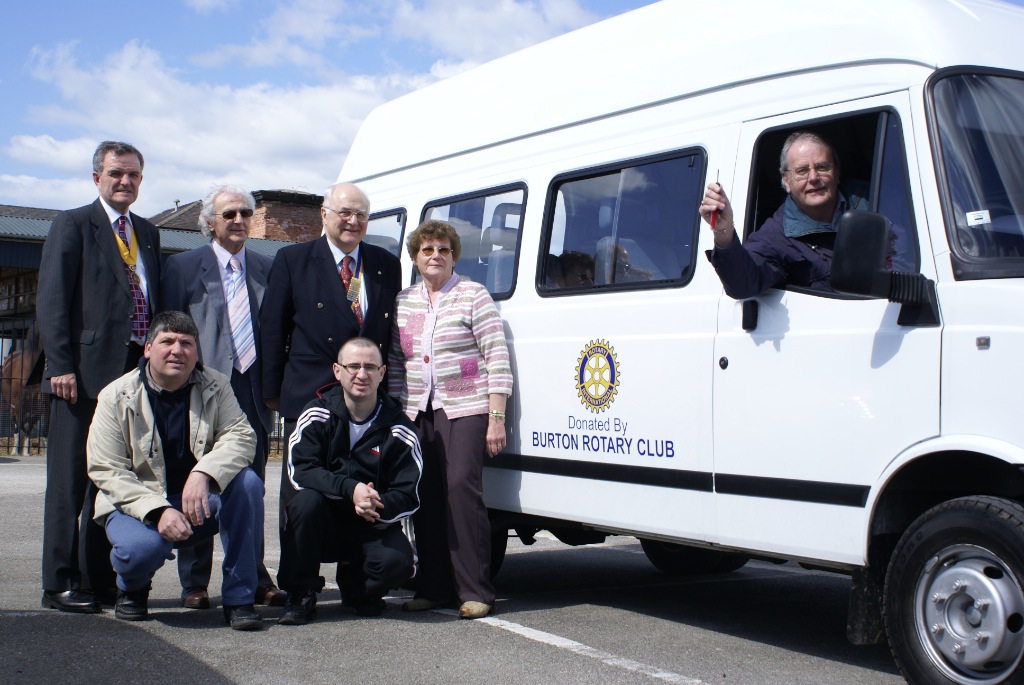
point(98, 286)
point(320, 295)
point(309, 311)
point(204, 283)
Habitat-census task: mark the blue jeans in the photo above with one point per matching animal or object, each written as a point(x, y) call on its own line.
point(139, 550)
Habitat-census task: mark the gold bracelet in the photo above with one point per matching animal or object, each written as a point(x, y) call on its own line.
point(497, 414)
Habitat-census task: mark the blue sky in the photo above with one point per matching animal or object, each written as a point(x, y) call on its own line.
point(264, 93)
point(267, 94)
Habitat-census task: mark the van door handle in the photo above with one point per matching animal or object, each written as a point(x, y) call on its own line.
point(749, 320)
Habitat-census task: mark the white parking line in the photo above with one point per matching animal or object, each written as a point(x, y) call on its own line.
point(581, 649)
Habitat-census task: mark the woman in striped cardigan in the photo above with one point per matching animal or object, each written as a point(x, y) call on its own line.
point(449, 367)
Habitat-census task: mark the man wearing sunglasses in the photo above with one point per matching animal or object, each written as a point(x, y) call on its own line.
point(352, 470)
point(221, 286)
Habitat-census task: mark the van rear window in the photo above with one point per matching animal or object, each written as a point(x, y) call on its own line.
point(488, 225)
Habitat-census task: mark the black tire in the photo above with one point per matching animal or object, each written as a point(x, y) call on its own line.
point(954, 594)
point(731, 562)
point(681, 560)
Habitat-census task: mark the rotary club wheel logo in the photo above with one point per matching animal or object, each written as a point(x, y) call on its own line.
point(597, 375)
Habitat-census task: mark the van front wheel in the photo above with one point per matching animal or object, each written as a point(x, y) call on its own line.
point(954, 594)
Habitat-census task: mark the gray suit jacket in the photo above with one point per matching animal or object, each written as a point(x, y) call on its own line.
point(84, 303)
point(192, 284)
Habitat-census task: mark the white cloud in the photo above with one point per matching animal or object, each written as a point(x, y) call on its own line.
point(305, 33)
point(48, 193)
point(194, 134)
point(476, 31)
point(352, 57)
point(210, 6)
point(72, 155)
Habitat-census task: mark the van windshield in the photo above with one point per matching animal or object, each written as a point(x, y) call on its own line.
point(980, 123)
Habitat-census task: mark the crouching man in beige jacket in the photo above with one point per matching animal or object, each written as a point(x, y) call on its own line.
point(169, 450)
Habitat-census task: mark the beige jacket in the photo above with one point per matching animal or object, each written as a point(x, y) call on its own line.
point(125, 454)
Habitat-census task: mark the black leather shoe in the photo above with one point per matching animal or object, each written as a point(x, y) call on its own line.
point(242, 617)
point(107, 596)
point(300, 609)
point(370, 607)
point(71, 601)
point(132, 606)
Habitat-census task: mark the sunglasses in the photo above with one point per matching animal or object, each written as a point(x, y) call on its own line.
point(428, 251)
point(232, 213)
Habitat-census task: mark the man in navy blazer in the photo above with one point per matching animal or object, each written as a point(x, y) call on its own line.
point(198, 282)
point(308, 313)
point(97, 293)
point(320, 295)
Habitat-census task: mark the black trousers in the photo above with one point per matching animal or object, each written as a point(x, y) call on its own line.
point(76, 553)
point(372, 558)
point(195, 562)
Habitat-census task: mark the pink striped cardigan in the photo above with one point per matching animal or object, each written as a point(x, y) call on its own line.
point(470, 356)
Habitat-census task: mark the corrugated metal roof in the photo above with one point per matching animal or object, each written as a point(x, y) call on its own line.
point(180, 241)
point(35, 230)
point(29, 229)
point(28, 212)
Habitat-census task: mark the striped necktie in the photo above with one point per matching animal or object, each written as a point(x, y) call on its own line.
point(242, 340)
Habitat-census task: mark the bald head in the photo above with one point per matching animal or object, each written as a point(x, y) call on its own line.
point(345, 214)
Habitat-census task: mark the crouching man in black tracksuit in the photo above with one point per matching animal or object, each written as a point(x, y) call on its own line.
point(353, 470)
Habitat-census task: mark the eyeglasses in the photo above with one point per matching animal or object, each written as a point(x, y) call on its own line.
point(232, 213)
point(428, 251)
point(346, 213)
point(821, 168)
point(354, 368)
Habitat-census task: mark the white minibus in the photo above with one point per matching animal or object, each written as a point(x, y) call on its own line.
point(876, 431)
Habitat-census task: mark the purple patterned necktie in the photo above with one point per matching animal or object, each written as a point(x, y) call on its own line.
point(140, 316)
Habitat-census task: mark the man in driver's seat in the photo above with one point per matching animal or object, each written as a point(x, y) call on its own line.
point(794, 246)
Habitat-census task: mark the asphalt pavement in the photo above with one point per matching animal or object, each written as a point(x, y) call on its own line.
point(594, 614)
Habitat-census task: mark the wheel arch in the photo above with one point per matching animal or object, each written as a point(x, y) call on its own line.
point(921, 482)
point(920, 479)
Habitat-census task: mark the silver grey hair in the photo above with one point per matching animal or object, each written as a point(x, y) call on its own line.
point(206, 215)
point(810, 137)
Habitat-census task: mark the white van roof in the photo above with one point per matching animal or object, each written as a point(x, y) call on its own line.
point(669, 50)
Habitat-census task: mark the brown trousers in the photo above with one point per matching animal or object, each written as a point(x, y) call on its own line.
point(453, 534)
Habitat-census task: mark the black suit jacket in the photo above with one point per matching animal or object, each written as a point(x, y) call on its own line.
point(84, 304)
point(192, 284)
point(305, 318)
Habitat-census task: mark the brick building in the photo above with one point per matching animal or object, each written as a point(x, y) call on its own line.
point(285, 215)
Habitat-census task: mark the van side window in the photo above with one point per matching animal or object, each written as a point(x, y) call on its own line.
point(385, 230)
point(627, 226)
point(488, 226)
point(872, 175)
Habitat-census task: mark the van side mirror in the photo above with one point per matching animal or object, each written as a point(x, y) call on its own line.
point(859, 268)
